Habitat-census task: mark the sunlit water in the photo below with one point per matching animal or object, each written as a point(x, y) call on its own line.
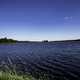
point(58, 61)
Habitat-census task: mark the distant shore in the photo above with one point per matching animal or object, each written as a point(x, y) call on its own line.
point(6, 40)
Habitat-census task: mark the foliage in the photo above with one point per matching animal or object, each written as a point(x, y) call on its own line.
point(5, 40)
point(14, 76)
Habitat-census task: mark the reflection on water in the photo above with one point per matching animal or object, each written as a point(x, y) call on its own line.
point(58, 61)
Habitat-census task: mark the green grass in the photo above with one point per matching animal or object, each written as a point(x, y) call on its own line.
point(14, 76)
point(11, 74)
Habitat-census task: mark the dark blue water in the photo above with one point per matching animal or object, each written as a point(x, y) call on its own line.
point(54, 60)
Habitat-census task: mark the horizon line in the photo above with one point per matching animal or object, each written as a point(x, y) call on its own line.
point(41, 40)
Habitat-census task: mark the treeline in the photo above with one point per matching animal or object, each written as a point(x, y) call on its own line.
point(5, 40)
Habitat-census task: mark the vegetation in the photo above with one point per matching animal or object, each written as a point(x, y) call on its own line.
point(5, 40)
point(14, 76)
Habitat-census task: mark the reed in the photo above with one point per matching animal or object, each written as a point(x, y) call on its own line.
point(14, 76)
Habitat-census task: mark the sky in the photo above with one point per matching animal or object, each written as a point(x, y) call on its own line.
point(40, 19)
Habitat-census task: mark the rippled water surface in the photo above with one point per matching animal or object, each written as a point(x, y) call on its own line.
point(56, 61)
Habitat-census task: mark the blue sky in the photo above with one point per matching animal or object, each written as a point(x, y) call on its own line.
point(40, 19)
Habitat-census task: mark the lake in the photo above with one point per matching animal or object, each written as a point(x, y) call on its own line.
point(52, 60)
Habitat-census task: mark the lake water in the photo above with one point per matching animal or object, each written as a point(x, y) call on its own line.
point(54, 60)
